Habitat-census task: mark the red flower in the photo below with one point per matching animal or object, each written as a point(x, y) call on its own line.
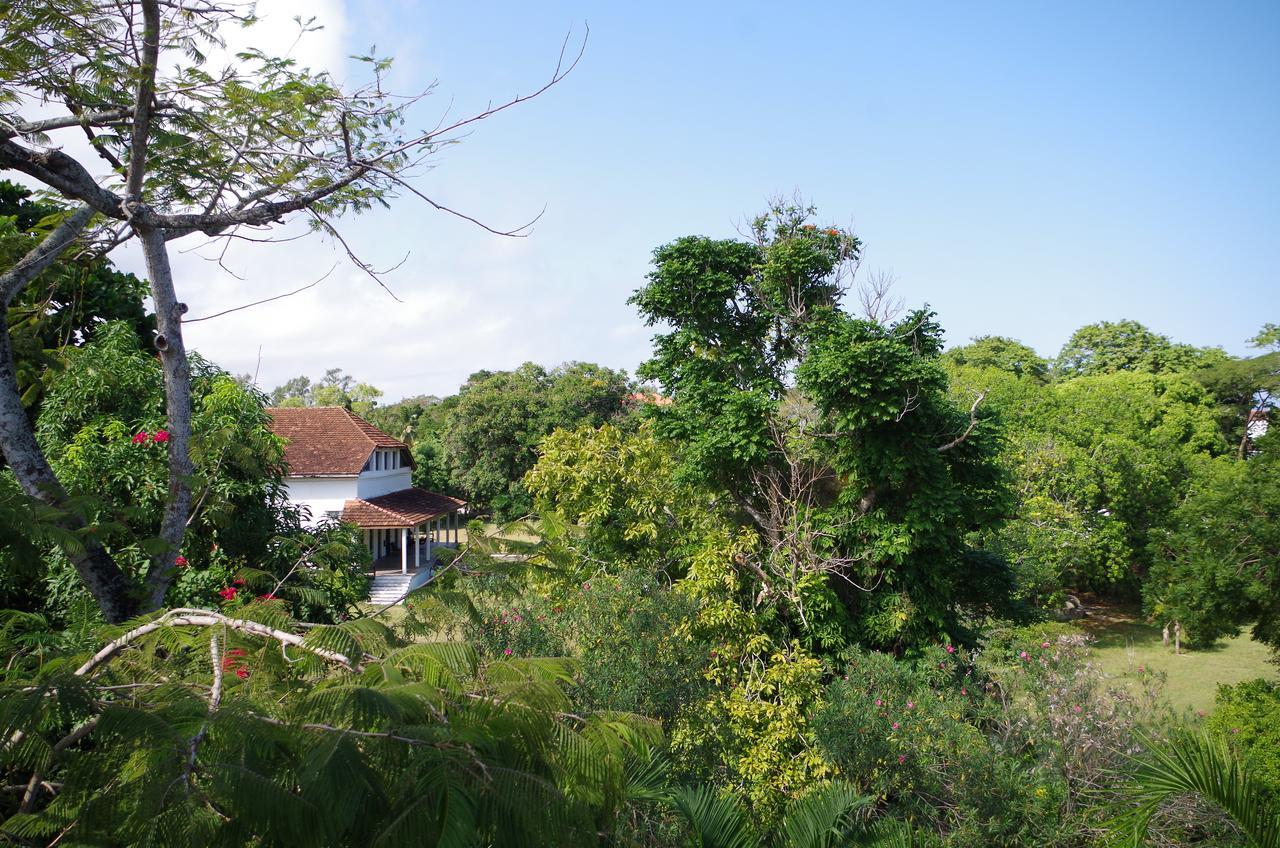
point(506, 652)
point(239, 581)
point(140, 438)
point(242, 673)
point(833, 232)
point(270, 596)
point(180, 560)
point(236, 652)
point(228, 593)
point(901, 759)
point(160, 436)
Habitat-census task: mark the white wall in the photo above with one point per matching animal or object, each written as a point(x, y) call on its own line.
point(374, 483)
point(321, 494)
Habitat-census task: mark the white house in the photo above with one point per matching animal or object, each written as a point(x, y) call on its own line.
point(341, 466)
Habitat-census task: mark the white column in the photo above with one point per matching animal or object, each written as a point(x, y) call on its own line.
point(453, 527)
point(430, 548)
point(404, 550)
point(417, 548)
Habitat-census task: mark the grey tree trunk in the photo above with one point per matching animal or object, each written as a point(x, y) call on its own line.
point(177, 385)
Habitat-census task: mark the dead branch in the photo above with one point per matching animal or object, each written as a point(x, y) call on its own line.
point(973, 422)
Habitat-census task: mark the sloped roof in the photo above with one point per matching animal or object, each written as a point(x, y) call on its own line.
point(405, 508)
point(323, 441)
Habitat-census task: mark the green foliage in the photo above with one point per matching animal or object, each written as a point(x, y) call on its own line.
point(1242, 387)
point(621, 491)
point(222, 735)
point(832, 436)
point(1098, 464)
point(1002, 354)
point(493, 432)
point(1107, 347)
point(1198, 765)
point(335, 388)
point(1215, 566)
point(1247, 719)
point(913, 732)
point(66, 304)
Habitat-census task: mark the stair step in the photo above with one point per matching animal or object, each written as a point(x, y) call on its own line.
point(389, 588)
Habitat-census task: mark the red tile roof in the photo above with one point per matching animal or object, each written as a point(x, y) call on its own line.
point(405, 508)
point(323, 441)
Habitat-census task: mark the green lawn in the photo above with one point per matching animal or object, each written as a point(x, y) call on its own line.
point(1124, 643)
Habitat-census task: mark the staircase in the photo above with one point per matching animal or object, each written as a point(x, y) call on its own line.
point(388, 588)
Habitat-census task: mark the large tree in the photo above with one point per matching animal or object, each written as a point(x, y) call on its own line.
point(1107, 347)
point(492, 434)
point(182, 149)
point(833, 435)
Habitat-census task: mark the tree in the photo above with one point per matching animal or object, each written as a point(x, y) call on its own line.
point(103, 427)
point(833, 435)
point(335, 388)
point(1216, 567)
point(1001, 353)
point(74, 297)
point(1107, 347)
point(191, 151)
point(492, 435)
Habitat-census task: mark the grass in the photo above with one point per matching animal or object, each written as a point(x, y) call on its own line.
point(1125, 644)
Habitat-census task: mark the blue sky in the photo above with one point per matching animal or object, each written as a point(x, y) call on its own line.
point(1023, 168)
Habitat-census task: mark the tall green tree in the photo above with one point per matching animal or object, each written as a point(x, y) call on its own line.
point(492, 434)
point(833, 436)
point(1107, 347)
point(1001, 353)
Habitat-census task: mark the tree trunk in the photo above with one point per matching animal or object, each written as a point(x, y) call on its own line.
point(104, 579)
point(177, 385)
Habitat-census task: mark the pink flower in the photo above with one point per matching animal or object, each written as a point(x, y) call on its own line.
point(180, 560)
point(228, 593)
point(1024, 655)
point(911, 705)
point(1142, 669)
point(879, 703)
point(895, 725)
point(506, 652)
point(964, 691)
point(160, 436)
point(901, 759)
point(140, 438)
point(1044, 644)
point(1235, 730)
point(586, 586)
point(714, 654)
point(951, 649)
point(1078, 708)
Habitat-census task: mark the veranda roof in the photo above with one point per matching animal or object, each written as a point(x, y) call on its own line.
point(405, 508)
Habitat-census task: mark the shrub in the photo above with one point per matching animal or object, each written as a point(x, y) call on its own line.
point(912, 732)
point(1248, 718)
